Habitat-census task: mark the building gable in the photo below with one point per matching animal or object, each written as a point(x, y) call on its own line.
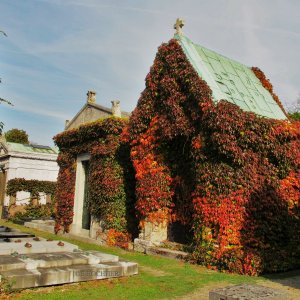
point(92, 111)
point(88, 113)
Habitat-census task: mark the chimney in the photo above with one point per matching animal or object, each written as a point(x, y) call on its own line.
point(116, 109)
point(66, 123)
point(91, 97)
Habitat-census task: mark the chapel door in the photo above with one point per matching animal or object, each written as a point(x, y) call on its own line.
point(86, 216)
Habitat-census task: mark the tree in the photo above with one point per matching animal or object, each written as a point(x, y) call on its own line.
point(294, 113)
point(17, 136)
point(295, 116)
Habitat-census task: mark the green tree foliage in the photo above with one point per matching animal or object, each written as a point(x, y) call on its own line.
point(294, 111)
point(17, 136)
point(295, 116)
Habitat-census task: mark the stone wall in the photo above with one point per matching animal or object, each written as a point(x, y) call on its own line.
point(89, 114)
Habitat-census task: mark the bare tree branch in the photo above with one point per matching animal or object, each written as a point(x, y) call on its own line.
point(1, 31)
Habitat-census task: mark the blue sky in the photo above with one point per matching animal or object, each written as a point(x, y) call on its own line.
point(57, 50)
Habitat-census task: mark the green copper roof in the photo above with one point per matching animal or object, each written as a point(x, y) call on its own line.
point(31, 148)
point(231, 80)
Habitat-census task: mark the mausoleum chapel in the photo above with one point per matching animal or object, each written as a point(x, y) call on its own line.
point(24, 162)
point(206, 160)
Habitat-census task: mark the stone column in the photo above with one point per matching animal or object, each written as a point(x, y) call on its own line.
point(91, 97)
point(48, 199)
point(12, 200)
point(116, 109)
point(151, 235)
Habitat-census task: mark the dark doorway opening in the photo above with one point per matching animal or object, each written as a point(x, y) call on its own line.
point(86, 216)
point(179, 233)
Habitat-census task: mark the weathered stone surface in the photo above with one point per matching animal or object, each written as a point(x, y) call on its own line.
point(104, 257)
point(129, 268)
point(155, 233)
point(25, 278)
point(42, 269)
point(8, 262)
point(141, 245)
point(36, 247)
point(6, 229)
point(247, 292)
point(44, 263)
point(167, 252)
point(51, 260)
point(15, 234)
point(26, 239)
point(47, 225)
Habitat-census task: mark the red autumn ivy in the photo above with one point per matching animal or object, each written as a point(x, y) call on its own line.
point(110, 179)
point(230, 174)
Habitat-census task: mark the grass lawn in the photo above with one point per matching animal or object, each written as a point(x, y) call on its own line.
point(159, 278)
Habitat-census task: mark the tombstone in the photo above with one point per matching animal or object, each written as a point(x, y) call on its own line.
point(23, 197)
point(42, 198)
point(247, 291)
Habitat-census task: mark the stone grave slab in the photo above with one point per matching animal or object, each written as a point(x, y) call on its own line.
point(51, 260)
point(6, 229)
point(8, 262)
point(29, 262)
point(14, 234)
point(26, 239)
point(247, 292)
point(25, 278)
point(36, 247)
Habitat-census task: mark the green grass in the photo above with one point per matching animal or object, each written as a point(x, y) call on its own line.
point(176, 278)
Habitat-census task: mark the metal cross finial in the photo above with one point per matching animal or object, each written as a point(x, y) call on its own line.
point(178, 26)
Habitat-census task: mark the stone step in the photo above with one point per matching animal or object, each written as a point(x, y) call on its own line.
point(14, 234)
point(51, 260)
point(6, 229)
point(36, 247)
point(48, 222)
point(23, 278)
point(40, 226)
point(167, 253)
point(26, 239)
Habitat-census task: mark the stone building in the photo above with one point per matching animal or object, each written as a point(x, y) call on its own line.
point(83, 223)
point(225, 78)
point(92, 111)
point(25, 161)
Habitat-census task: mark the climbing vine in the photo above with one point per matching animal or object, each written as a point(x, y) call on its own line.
point(238, 187)
point(34, 187)
point(111, 186)
point(231, 176)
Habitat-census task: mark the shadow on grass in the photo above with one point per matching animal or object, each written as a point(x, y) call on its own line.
point(289, 278)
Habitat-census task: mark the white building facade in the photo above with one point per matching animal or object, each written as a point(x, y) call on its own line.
point(28, 162)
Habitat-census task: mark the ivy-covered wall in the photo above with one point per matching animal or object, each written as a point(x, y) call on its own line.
point(110, 178)
point(230, 175)
point(34, 187)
